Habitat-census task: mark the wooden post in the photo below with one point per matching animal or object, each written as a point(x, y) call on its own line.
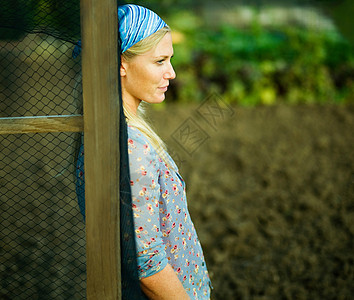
point(99, 24)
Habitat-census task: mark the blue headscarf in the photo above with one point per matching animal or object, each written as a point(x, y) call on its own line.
point(135, 24)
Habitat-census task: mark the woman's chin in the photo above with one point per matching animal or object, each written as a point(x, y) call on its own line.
point(159, 98)
point(156, 100)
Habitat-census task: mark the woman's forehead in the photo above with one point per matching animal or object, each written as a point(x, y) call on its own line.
point(165, 46)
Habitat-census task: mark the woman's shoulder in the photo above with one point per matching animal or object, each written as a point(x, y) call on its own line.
point(137, 140)
point(135, 135)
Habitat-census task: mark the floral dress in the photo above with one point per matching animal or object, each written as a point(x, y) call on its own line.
point(164, 230)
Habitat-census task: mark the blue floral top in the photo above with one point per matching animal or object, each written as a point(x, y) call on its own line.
point(164, 229)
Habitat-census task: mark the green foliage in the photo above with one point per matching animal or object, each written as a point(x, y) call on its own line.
point(63, 16)
point(253, 65)
point(18, 17)
point(163, 7)
point(261, 66)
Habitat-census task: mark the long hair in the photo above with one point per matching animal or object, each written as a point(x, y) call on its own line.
point(137, 120)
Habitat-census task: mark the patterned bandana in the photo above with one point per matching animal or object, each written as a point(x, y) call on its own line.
point(137, 23)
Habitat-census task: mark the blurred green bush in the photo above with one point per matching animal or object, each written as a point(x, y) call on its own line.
point(55, 17)
point(259, 65)
point(249, 65)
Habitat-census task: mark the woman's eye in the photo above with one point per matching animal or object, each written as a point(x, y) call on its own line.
point(160, 62)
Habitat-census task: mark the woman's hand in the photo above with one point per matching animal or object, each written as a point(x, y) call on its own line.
point(164, 285)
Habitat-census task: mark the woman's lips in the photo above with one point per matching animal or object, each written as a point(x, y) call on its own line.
point(164, 88)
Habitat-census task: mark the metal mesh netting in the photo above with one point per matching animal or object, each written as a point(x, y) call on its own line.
point(38, 77)
point(42, 233)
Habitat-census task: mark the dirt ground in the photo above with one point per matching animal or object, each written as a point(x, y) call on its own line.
point(271, 192)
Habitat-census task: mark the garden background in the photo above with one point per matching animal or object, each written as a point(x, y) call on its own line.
point(267, 88)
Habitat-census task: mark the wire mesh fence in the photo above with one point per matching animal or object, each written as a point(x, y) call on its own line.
point(42, 232)
point(38, 77)
point(42, 235)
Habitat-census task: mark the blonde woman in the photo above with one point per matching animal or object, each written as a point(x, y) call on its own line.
point(170, 259)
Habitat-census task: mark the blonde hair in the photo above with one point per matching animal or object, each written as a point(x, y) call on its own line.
point(137, 120)
point(146, 44)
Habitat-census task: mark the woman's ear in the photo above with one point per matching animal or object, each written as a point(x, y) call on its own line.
point(123, 67)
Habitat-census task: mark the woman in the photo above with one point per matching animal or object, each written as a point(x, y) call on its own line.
point(170, 259)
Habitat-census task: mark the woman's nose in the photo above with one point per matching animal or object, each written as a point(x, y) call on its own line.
point(170, 73)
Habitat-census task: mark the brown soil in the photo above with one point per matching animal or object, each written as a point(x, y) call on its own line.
point(270, 190)
point(271, 193)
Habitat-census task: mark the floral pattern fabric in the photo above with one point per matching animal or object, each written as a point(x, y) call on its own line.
point(164, 230)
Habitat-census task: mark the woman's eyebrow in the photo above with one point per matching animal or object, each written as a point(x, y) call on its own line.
point(163, 56)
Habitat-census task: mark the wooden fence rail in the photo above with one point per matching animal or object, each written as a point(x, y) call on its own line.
point(71, 123)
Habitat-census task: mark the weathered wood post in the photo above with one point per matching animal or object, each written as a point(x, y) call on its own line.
point(99, 27)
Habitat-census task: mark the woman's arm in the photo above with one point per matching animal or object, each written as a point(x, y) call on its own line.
point(164, 285)
point(158, 279)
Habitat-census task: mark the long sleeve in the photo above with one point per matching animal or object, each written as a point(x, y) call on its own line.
point(144, 172)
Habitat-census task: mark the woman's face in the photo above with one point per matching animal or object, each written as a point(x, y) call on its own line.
point(146, 77)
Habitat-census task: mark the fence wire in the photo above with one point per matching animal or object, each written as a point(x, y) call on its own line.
point(42, 235)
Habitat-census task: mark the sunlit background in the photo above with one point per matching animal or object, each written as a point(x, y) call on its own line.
point(260, 121)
